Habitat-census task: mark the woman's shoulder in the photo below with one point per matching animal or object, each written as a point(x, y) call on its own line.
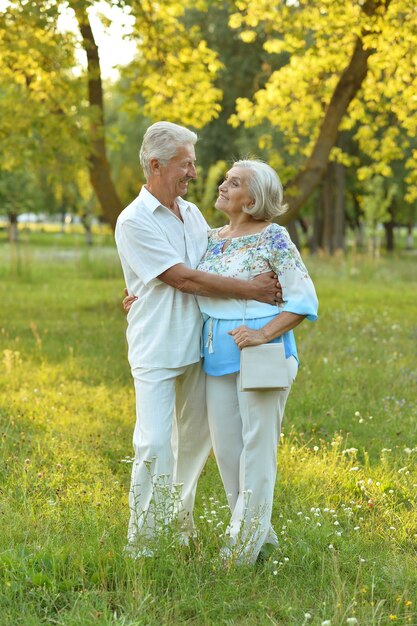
point(274, 228)
point(275, 233)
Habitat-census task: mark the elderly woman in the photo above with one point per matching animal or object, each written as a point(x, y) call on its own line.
point(245, 425)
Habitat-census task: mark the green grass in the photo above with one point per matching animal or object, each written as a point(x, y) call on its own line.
point(345, 506)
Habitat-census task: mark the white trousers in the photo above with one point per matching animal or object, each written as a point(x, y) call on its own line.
point(171, 441)
point(245, 429)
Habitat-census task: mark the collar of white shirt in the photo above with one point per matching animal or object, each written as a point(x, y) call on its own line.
point(153, 203)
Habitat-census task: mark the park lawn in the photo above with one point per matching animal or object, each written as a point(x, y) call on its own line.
point(345, 506)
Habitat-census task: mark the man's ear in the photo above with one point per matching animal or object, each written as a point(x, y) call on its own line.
point(155, 166)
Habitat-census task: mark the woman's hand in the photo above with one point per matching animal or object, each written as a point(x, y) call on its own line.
point(245, 337)
point(128, 300)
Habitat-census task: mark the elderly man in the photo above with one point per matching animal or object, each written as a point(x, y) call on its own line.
point(160, 239)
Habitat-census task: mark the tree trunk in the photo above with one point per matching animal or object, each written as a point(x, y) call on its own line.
point(410, 236)
point(293, 232)
point(86, 221)
point(316, 237)
point(13, 230)
point(339, 205)
point(329, 214)
point(100, 175)
point(351, 79)
point(327, 234)
point(389, 235)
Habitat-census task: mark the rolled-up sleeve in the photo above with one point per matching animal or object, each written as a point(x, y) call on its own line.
point(298, 292)
point(145, 249)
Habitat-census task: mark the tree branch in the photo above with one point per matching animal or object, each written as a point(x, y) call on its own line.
point(301, 187)
point(99, 169)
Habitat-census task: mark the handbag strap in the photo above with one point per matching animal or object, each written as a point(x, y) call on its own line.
point(254, 249)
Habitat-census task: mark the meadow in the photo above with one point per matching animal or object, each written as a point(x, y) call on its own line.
point(345, 505)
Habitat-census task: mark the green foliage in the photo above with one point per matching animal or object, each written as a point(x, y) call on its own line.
point(245, 69)
point(345, 506)
point(215, 175)
point(42, 114)
point(255, 78)
point(319, 37)
point(16, 192)
point(377, 200)
point(174, 69)
point(124, 135)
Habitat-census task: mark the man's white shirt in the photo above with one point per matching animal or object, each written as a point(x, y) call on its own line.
point(164, 324)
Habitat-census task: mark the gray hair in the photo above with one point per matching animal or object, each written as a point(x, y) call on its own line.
point(161, 141)
point(265, 189)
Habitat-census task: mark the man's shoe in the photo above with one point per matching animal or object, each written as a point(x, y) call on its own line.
point(265, 553)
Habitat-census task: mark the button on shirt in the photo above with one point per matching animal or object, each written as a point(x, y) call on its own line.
point(164, 324)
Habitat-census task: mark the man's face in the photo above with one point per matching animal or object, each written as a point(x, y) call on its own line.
point(179, 170)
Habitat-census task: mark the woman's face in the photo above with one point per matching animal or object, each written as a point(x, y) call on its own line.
point(234, 192)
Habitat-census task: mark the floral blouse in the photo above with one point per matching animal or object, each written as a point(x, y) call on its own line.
point(243, 258)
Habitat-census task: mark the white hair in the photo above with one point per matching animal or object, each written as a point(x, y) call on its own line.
point(161, 141)
point(265, 189)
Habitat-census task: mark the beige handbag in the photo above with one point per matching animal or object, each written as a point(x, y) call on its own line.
point(263, 367)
